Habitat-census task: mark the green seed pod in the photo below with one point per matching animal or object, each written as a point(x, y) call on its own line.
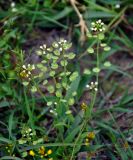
point(55, 44)
point(107, 64)
point(57, 52)
point(39, 52)
point(55, 57)
point(103, 44)
point(90, 50)
point(68, 73)
point(52, 73)
point(71, 55)
point(44, 69)
point(49, 56)
point(54, 65)
point(106, 48)
point(24, 154)
point(44, 61)
point(64, 84)
point(49, 103)
point(33, 89)
point(68, 112)
point(45, 82)
point(58, 93)
point(50, 89)
point(96, 70)
point(67, 46)
point(58, 85)
point(25, 83)
point(40, 65)
point(63, 63)
point(101, 36)
point(71, 101)
point(73, 76)
point(74, 93)
point(41, 74)
point(87, 71)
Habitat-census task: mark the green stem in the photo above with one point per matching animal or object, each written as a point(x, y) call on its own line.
point(92, 103)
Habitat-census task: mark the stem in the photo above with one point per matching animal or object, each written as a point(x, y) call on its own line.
point(97, 59)
point(97, 79)
point(92, 103)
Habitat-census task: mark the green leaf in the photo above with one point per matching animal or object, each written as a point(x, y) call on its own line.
point(73, 88)
point(71, 136)
point(2, 139)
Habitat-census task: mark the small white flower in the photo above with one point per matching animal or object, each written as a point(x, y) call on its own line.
point(87, 86)
point(55, 103)
point(44, 52)
point(51, 111)
point(29, 65)
point(29, 72)
point(56, 45)
point(99, 21)
point(93, 86)
point(97, 26)
point(92, 23)
point(117, 6)
point(44, 46)
point(33, 66)
point(24, 66)
point(41, 47)
point(100, 30)
point(29, 129)
point(13, 4)
point(48, 49)
point(60, 49)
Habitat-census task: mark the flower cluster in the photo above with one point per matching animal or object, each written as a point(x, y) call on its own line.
point(26, 73)
point(92, 86)
point(27, 135)
point(42, 152)
point(9, 148)
point(54, 65)
point(89, 138)
point(98, 26)
point(53, 111)
point(83, 106)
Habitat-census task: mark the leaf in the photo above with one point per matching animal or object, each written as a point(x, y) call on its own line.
point(71, 136)
point(6, 104)
point(9, 157)
point(2, 139)
point(10, 123)
point(73, 88)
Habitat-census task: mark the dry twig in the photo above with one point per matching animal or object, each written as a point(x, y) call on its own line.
point(82, 23)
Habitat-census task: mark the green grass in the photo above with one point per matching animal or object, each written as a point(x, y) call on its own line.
point(108, 113)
